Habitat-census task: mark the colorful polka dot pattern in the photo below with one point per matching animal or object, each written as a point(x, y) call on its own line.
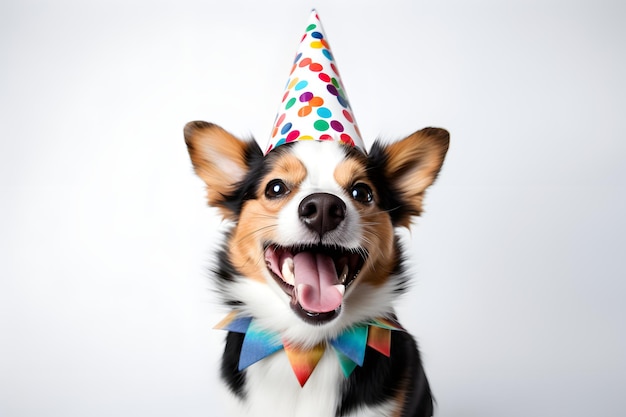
point(315, 105)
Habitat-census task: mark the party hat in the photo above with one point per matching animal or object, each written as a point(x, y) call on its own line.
point(314, 105)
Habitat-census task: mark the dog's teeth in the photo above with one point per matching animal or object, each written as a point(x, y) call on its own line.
point(287, 271)
point(340, 288)
point(344, 275)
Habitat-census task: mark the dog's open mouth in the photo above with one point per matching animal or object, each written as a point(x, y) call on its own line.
point(316, 277)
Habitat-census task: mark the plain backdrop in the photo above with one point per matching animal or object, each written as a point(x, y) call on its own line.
point(518, 297)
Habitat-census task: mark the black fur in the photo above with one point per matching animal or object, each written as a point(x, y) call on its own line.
point(246, 189)
point(225, 273)
point(399, 269)
point(381, 378)
point(234, 378)
point(388, 196)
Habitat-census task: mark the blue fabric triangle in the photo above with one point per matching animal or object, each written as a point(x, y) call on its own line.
point(257, 344)
point(352, 343)
point(346, 364)
point(239, 325)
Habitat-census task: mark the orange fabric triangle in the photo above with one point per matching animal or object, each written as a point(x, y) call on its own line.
point(226, 320)
point(304, 361)
point(379, 339)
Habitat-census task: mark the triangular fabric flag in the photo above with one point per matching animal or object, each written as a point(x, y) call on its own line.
point(379, 338)
point(387, 323)
point(233, 323)
point(352, 343)
point(346, 364)
point(304, 361)
point(257, 344)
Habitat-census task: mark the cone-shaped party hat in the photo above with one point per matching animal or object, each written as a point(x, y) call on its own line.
point(314, 105)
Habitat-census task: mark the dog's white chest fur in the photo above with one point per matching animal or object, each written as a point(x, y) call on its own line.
point(274, 391)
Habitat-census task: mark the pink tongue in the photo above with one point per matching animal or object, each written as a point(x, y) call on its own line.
point(315, 278)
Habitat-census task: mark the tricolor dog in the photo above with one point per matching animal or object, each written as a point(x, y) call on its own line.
point(311, 265)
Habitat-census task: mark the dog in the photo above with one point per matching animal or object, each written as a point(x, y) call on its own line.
point(312, 251)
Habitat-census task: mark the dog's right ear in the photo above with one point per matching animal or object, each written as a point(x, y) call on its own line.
point(221, 160)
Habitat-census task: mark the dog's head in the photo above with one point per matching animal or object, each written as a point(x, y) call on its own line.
point(312, 249)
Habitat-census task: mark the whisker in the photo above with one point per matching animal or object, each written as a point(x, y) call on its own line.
point(369, 241)
point(255, 232)
point(388, 210)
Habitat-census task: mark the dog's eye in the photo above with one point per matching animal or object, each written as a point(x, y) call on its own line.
point(362, 193)
point(276, 189)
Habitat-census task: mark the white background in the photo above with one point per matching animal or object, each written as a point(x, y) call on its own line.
point(518, 302)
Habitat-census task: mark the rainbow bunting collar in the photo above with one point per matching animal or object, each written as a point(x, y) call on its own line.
point(349, 346)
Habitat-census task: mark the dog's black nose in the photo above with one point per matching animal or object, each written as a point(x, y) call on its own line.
point(322, 212)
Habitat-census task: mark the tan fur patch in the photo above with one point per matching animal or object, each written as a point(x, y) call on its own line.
point(378, 234)
point(257, 224)
point(259, 218)
point(400, 398)
point(378, 239)
point(349, 172)
point(289, 169)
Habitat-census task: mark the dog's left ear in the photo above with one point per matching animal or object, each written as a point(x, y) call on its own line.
point(222, 161)
point(409, 167)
